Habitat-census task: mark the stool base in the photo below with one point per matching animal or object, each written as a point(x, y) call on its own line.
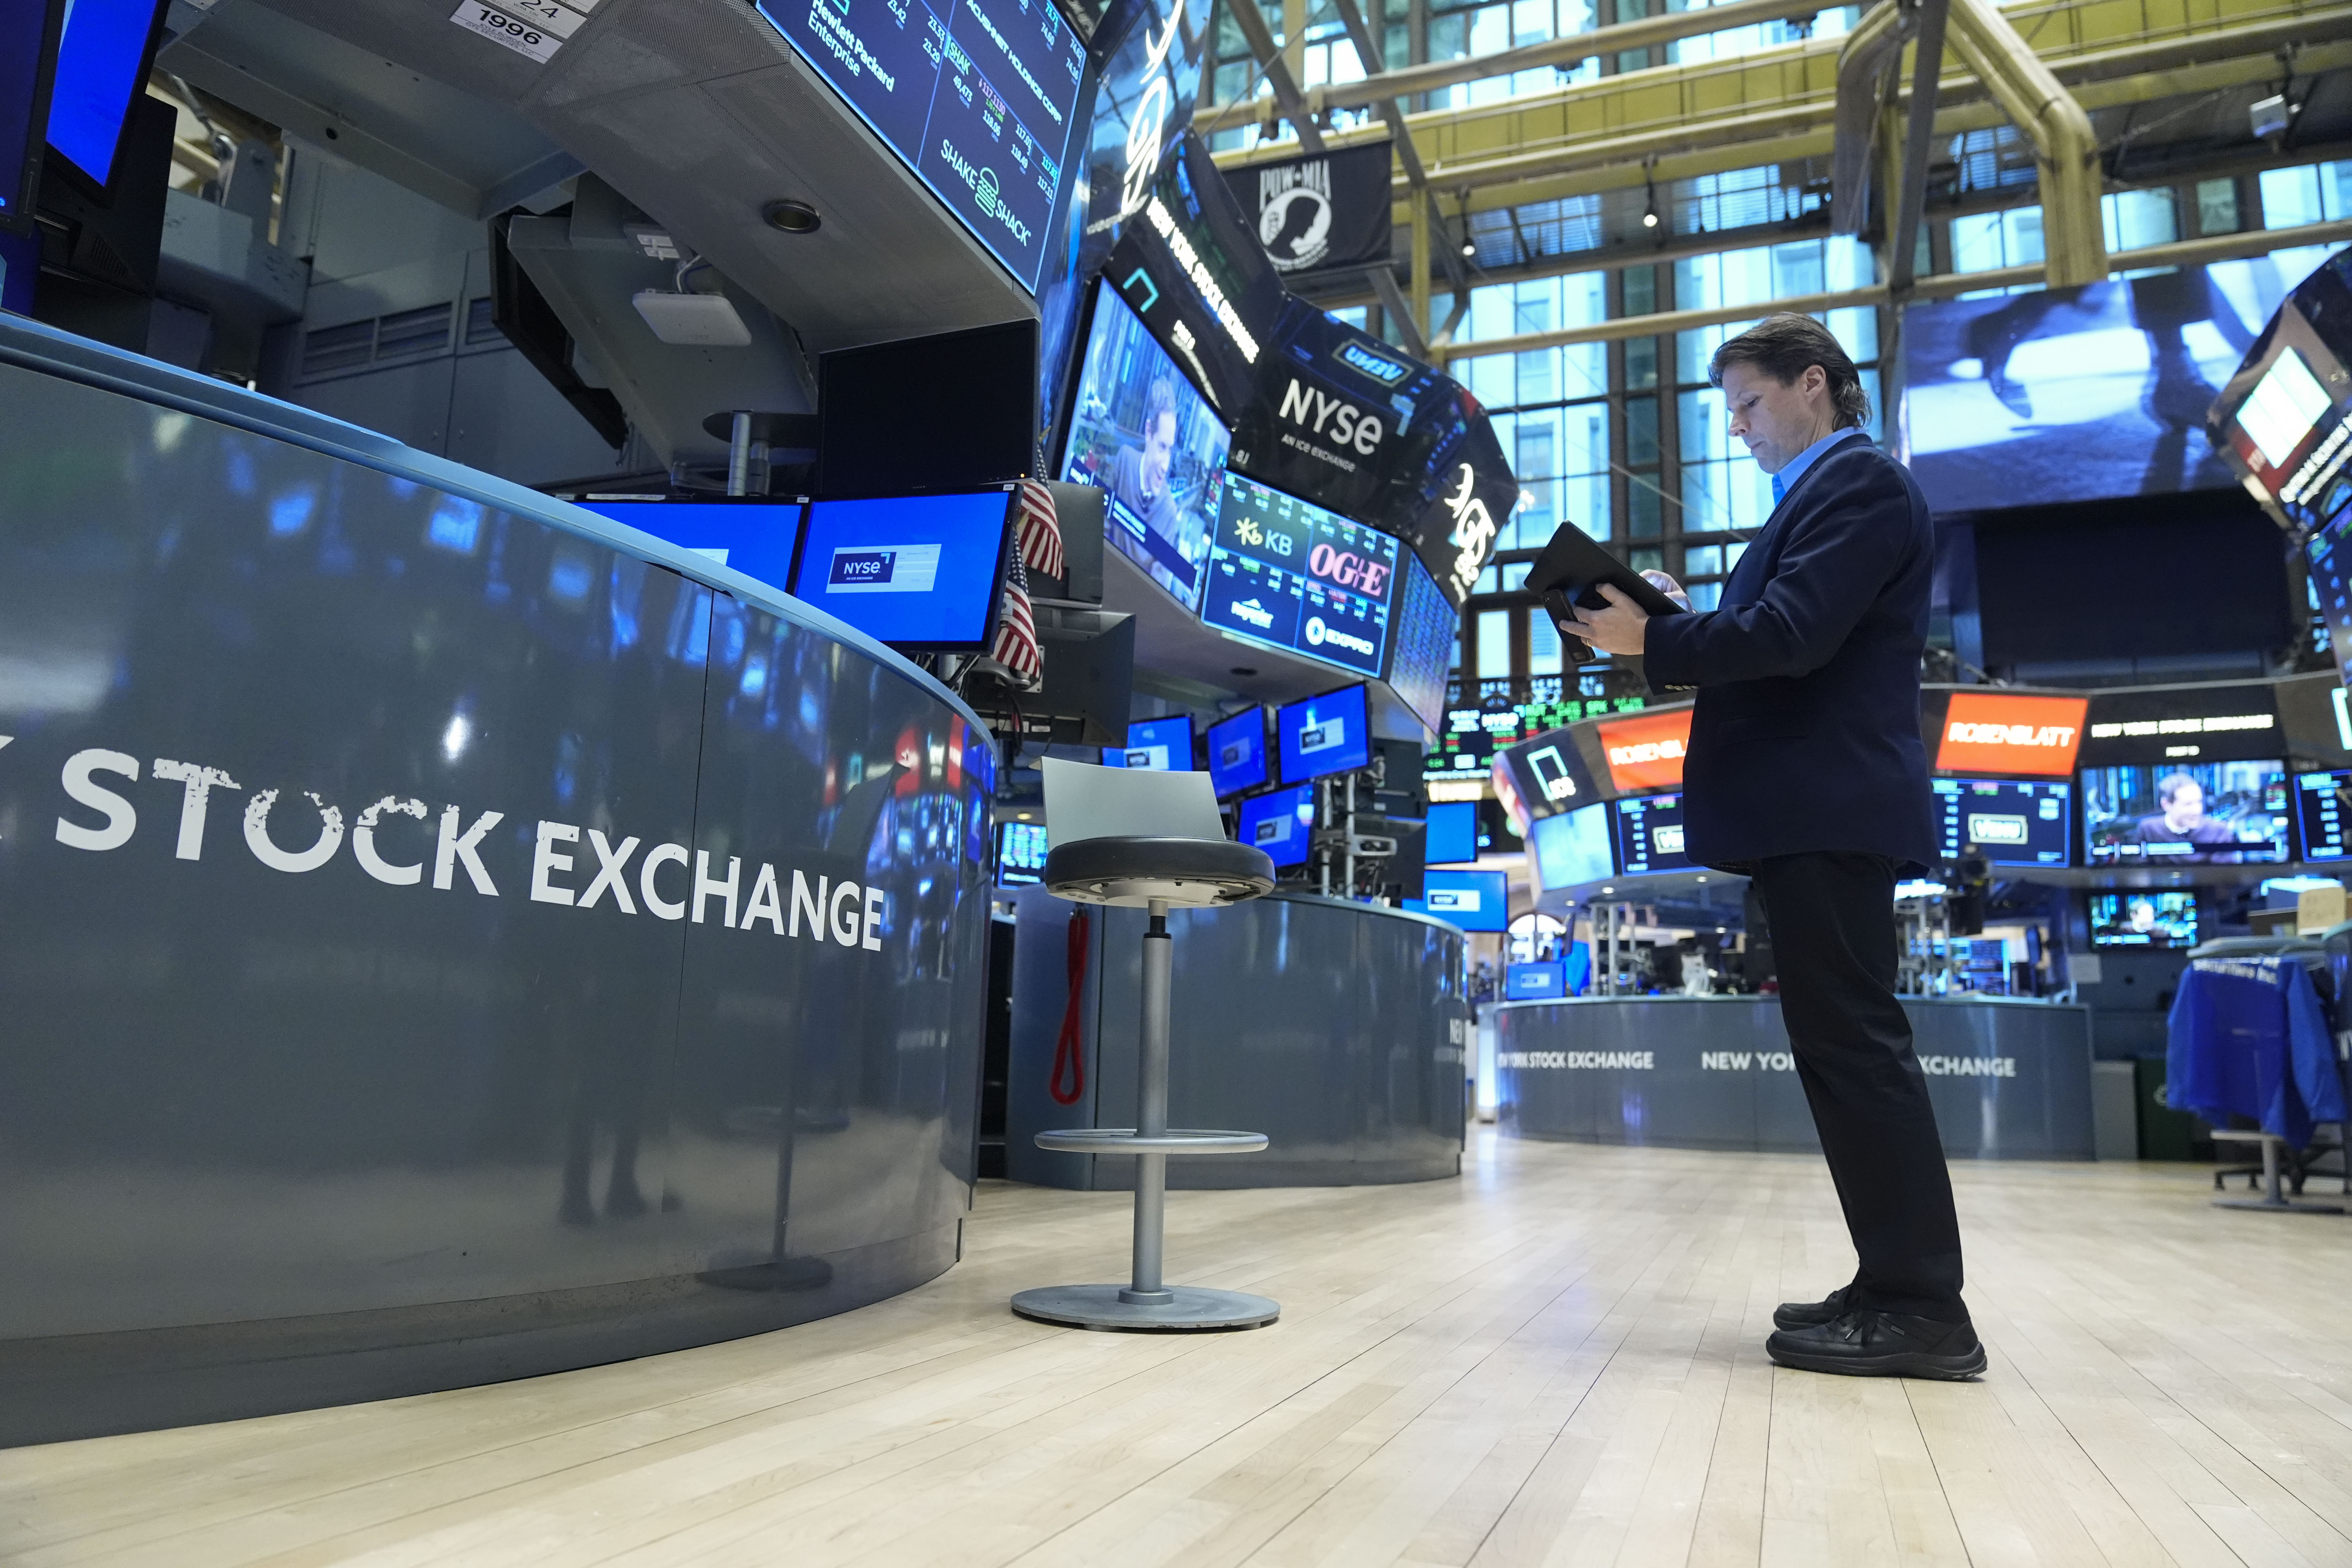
point(1100, 1307)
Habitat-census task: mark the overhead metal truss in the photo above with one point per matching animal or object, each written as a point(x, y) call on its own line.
point(1778, 105)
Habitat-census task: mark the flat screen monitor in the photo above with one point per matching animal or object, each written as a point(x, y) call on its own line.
point(1164, 745)
point(1285, 574)
point(1323, 735)
point(755, 538)
point(102, 63)
point(1474, 900)
point(979, 99)
point(2143, 920)
point(1573, 849)
point(1451, 837)
point(1645, 750)
point(28, 56)
point(971, 394)
point(1280, 822)
point(919, 572)
point(2324, 803)
point(1237, 753)
point(1423, 629)
point(2009, 822)
point(1141, 434)
point(1650, 833)
point(1020, 854)
point(2186, 813)
point(1534, 982)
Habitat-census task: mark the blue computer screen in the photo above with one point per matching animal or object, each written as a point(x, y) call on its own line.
point(101, 64)
point(1424, 627)
point(1535, 982)
point(1573, 849)
point(979, 99)
point(1237, 753)
point(754, 537)
point(1451, 837)
point(2011, 821)
point(1281, 823)
point(1165, 744)
point(1650, 833)
point(913, 570)
point(24, 28)
point(1020, 854)
point(1328, 734)
point(1475, 901)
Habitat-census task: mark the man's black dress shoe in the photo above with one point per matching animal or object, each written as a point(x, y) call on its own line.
point(1881, 1344)
point(1808, 1314)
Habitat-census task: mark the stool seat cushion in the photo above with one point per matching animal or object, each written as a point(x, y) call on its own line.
point(1188, 873)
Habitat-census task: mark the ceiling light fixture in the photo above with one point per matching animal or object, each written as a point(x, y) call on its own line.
point(1650, 185)
point(791, 218)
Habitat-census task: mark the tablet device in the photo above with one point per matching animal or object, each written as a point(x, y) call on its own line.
point(1570, 571)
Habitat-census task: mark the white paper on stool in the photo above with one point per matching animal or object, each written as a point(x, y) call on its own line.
point(1086, 802)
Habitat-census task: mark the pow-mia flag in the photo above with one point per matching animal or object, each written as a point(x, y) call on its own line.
point(1321, 213)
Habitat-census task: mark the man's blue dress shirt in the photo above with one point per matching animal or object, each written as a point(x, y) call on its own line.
point(1786, 480)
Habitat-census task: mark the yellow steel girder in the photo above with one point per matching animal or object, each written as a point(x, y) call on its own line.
point(1776, 105)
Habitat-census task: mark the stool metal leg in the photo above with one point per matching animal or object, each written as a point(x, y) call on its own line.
point(1146, 1302)
point(1152, 1114)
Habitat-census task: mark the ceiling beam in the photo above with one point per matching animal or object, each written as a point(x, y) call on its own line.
point(1570, 51)
point(2181, 252)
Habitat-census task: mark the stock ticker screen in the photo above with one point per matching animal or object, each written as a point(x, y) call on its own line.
point(1650, 833)
point(2323, 801)
point(1291, 575)
point(980, 97)
point(2011, 821)
point(1478, 728)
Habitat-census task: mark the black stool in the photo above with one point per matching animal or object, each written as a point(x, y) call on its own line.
point(1156, 875)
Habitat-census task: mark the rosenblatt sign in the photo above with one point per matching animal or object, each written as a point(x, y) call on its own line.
point(1984, 732)
point(1646, 753)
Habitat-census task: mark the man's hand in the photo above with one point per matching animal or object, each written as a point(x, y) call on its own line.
point(1664, 584)
point(1618, 628)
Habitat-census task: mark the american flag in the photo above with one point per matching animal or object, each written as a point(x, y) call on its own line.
point(1038, 529)
point(1016, 629)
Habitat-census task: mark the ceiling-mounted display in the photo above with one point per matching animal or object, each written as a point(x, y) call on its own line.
point(1140, 433)
point(2285, 420)
point(1295, 576)
point(1317, 408)
point(980, 100)
point(2077, 393)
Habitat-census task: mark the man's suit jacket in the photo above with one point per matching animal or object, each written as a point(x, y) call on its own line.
point(1806, 734)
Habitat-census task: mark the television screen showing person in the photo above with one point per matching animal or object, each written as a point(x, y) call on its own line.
point(2204, 814)
point(1140, 433)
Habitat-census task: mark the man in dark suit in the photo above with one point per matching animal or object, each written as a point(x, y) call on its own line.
point(1806, 773)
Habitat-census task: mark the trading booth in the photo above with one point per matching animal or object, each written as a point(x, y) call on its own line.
point(2089, 840)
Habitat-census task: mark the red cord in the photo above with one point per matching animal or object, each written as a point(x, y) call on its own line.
point(1069, 1047)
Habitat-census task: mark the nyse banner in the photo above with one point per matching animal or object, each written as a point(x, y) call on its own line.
point(1325, 212)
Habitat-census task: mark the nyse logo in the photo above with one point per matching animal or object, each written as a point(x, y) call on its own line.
point(1459, 900)
point(883, 569)
point(1348, 426)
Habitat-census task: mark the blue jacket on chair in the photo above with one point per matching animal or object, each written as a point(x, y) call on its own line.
point(1806, 732)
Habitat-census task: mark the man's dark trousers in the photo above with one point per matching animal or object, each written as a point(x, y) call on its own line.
point(1832, 919)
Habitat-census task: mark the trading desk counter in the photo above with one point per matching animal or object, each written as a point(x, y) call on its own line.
point(1338, 1029)
point(2011, 1080)
point(445, 936)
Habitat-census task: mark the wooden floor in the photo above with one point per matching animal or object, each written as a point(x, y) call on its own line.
point(1558, 1359)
